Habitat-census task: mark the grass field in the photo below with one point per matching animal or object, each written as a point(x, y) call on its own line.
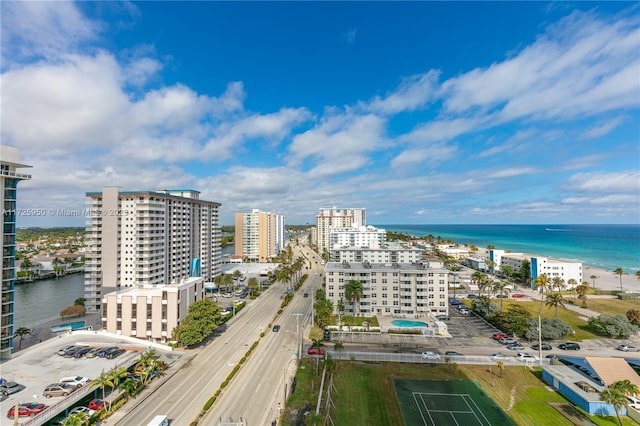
point(364, 393)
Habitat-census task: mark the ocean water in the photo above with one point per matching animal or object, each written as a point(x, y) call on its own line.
point(600, 246)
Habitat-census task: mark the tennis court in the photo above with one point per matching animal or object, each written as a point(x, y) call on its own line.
point(447, 402)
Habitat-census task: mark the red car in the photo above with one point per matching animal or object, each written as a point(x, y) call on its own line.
point(27, 409)
point(315, 351)
point(96, 404)
point(498, 336)
point(518, 296)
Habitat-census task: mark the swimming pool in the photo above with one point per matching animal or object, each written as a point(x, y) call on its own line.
point(406, 323)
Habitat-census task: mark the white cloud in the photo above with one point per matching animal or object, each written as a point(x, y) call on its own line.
point(603, 128)
point(413, 92)
point(431, 155)
point(43, 28)
point(622, 182)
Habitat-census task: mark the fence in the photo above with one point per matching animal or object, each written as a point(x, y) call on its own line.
point(412, 358)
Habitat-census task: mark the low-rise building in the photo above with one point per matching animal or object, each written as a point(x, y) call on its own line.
point(391, 289)
point(150, 312)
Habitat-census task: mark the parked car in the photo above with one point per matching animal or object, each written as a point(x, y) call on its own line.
point(569, 346)
point(442, 317)
point(64, 349)
point(634, 402)
point(507, 341)
point(96, 404)
point(70, 353)
point(518, 296)
point(115, 354)
point(545, 347)
point(523, 356)
point(58, 389)
point(628, 348)
point(81, 352)
point(77, 381)
point(9, 388)
point(430, 355)
point(276, 328)
point(498, 336)
point(93, 352)
point(104, 351)
point(88, 411)
point(515, 347)
point(316, 351)
point(26, 409)
point(464, 311)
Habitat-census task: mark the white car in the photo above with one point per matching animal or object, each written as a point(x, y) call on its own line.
point(628, 348)
point(88, 411)
point(77, 381)
point(634, 402)
point(498, 355)
point(523, 356)
point(430, 355)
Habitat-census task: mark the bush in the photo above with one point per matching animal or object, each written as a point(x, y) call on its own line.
point(633, 315)
point(210, 402)
point(616, 326)
point(485, 308)
point(552, 329)
point(242, 360)
point(628, 296)
point(224, 384)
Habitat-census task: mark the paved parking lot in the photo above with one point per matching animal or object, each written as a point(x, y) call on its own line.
point(40, 365)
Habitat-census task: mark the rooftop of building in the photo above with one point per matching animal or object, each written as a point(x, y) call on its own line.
point(437, 265)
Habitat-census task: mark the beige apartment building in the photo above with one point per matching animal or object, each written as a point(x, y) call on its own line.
point(390, 289)
point(148, 238)
point(150, 312)
point(259, 236)
point(9, 179)
point(331, 218)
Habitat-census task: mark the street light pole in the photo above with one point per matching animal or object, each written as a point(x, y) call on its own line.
point(297, 315)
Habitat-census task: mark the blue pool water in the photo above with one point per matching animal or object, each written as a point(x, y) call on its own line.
point(405, 323)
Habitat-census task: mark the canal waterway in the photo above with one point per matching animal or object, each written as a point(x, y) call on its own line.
point(42, 300)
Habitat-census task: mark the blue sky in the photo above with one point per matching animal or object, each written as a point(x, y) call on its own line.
point(420, 112)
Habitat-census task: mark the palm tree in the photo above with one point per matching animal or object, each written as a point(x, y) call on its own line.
point(542, 285)
point(501, 288)
point(557, 283)
point(555, 300)
point(500, 367)
point(26, 266)
point(615, 398)
point(353, 291)
point(128, 388)
point(102, 381)
point(582, 291)
point(625, 387)
point(338, 346)
point(21, 332)
point(76, 419)
point(619, 272)
point(117, 375)
point(638, 274)
point(593, 280)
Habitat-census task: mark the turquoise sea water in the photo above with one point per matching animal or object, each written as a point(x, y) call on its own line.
point(600, 246)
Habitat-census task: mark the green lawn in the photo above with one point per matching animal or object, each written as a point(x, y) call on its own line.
point(365, 395)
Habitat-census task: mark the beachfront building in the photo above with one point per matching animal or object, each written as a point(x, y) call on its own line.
point(390, 289)
point(150, 312)
point(453, 250)
point(357, 236)
point(259, 236)
point(148, 238)
point(9, 178)
point(330, 218)
point(552, 268)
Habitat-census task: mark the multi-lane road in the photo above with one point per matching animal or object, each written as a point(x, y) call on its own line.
point(252, 397)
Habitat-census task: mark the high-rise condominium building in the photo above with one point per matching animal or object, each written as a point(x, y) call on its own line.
point(334, 217)
point(259, 236)
point(9, 178)
point(148, 238)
